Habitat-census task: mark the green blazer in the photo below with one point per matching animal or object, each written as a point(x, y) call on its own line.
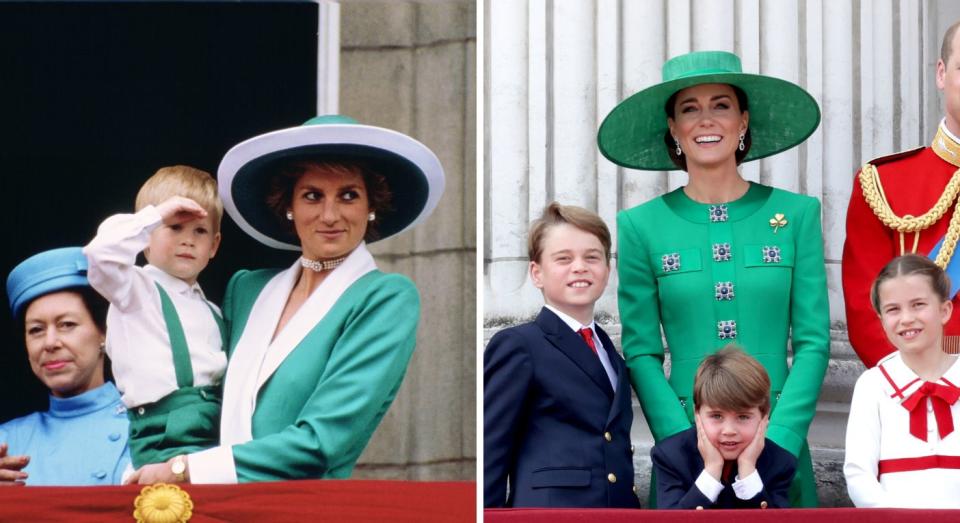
point(677, 256)
point(318, 410)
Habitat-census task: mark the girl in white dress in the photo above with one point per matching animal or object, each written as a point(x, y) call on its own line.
point(902, 448)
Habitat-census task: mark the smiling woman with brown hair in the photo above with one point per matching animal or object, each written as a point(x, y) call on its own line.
point(722, 259)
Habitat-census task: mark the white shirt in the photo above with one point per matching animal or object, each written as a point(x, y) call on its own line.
point(879, 429)
point(137, 339)
point(743, 488)
point(604, 357)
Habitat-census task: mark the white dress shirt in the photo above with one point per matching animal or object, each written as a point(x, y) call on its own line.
point(137, 339)
point(743, 488)
point(601, 353)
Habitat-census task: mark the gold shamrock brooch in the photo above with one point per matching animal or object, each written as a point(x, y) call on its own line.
point(779, 220)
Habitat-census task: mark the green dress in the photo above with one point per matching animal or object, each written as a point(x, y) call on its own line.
point(747, 272)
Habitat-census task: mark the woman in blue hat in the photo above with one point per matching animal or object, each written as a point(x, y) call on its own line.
point(720, 260)
point(317, 351)
point(82, 438)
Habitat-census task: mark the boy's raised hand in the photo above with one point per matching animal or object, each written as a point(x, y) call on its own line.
point(712, 458)
point(747, 461)
point(178, 209)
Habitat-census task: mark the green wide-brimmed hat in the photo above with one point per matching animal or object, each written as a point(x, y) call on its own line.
point(413, 174)
point(782, 114)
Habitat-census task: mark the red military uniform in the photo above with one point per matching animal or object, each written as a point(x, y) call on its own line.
point(912, 182)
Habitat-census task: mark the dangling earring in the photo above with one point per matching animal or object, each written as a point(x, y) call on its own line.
point(741, 146)
point(103, 346)
point(372, 216)
point(679, 152)
point(290, 215)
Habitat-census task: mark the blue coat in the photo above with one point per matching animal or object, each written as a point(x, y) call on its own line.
point(554, 428)
point(677, 464)
point(80, 441)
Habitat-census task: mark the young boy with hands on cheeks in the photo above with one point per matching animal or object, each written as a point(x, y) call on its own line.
point(556, 396)
point(164, 338)
point(725, 460)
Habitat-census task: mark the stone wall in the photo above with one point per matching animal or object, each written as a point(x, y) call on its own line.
point(411, 66)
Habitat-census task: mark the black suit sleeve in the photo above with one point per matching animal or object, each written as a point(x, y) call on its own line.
point(776, 478)
point(675, 487)
point(507, 374)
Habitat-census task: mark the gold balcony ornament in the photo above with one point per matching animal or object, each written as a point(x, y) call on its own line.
point(778, 221)
point(162, 503)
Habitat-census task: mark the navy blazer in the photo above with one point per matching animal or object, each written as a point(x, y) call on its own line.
point(677, 464)
point(554, 428)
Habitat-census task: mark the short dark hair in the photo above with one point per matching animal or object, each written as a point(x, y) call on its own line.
point(946, 47)
point(731, 379)
point(907, 265)
point(680, 160)
point(556, 214)
point(279, 196)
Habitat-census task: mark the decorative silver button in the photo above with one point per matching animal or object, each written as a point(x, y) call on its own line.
point(718, 213)
point(671, 262)
point(723, 290)
point(141, 411)
point(727, 330)
point(721, 252)
point(771, 254)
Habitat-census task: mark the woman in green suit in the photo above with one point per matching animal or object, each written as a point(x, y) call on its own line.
point(316, 351)
point(720, 260)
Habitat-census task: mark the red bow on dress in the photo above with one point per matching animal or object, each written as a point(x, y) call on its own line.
point(942, 397)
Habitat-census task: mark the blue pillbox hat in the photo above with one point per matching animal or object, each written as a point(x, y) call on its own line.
point(46, 272)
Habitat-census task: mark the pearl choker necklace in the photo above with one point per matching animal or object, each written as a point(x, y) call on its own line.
point(321, 265)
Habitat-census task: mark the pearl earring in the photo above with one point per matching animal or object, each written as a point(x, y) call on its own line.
point(372, 216)
point(290, 215)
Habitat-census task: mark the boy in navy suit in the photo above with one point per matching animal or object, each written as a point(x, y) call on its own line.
point(556, 396)
point(725, 460)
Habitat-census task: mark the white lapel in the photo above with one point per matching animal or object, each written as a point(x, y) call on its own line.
point(900, 380)
point(951, 378)
point(255, 357)
point(314, 309)
point(240, 384)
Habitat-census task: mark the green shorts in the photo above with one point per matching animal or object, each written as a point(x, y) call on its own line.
point(187, 420)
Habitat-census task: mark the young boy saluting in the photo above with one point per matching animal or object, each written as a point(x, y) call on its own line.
point(164, 338)
point(725, 460)
point(556, 396)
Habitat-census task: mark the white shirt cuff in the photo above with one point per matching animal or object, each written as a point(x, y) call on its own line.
point(708, 486)
point(212, 466)
point(748, 487)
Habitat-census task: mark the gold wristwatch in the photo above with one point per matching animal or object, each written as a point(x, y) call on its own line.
point(179, 468)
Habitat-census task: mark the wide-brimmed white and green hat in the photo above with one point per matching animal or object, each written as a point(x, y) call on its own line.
point(782, 114)
point(411, 169)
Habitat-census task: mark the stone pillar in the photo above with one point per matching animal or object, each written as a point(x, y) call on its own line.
point(411, 66)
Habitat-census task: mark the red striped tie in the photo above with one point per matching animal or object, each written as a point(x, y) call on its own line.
point(587, 334)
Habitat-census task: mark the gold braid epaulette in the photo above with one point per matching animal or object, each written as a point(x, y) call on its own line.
point(877, 200)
